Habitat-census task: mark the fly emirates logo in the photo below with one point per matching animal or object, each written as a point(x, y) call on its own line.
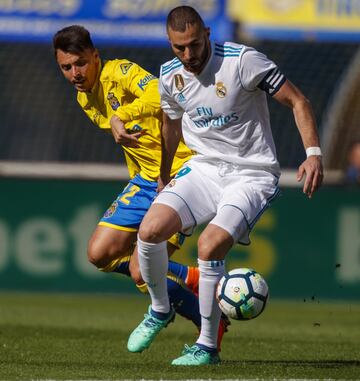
point(207, 118)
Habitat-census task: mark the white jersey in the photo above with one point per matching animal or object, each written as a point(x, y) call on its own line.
point(224, 109)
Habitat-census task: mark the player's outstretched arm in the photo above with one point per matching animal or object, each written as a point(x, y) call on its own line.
point(312, 167)
point(170, 138)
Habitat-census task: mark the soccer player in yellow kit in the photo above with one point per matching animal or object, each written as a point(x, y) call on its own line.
point(123, 99)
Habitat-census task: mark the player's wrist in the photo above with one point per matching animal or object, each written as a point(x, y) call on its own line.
point(313, 151)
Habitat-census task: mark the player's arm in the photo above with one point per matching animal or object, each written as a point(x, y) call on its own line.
point(144, 88)
point(171, 130)
point(289, 95)
point(116, 127)
point(170, 138)
point(121, 136)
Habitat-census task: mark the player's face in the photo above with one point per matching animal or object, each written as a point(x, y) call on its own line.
point(192, 46)
point(79, 69)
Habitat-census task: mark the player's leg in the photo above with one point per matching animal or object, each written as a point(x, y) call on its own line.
point(184, 300)
point(187, 275)
point(112, 243)
point(110, 249)
point(213, 245)
point(158, 225)
point(112, 240)
point(170, 212)
point(113, 250)
point(242, 202)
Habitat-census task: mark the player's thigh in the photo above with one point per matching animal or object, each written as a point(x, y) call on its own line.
point(191, 194)
point(107, 243)
point(242, 204)
point(159, 224)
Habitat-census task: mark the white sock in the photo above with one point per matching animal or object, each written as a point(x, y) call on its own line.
point(153, 261)
point(210, 274)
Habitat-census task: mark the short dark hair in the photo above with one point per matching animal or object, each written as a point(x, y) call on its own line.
point(72, 39)
point(180, 17)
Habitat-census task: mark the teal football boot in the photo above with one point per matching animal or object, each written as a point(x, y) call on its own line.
point(145, 333)
point(196, 356)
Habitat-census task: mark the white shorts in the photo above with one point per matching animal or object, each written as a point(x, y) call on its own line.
point(233, 199)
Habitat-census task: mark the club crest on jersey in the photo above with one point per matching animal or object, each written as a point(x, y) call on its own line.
point(111, 210)
point(171, 183)
point(220, 90)
point(114, 102)
point(179, 82)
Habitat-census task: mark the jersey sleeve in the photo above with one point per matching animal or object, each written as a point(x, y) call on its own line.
point(257, 71)
point(144, 87)
point(168, 103)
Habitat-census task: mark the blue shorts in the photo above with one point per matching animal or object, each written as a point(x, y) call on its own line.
point(131, 205)
point(129, 208)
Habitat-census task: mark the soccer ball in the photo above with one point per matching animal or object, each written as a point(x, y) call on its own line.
point(242, 294)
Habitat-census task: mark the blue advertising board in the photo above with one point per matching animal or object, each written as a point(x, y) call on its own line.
point(110, 21)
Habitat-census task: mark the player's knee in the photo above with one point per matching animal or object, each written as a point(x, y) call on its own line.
point(205, 247)
point(151, 232)
point(96, 254)
point(101, 255)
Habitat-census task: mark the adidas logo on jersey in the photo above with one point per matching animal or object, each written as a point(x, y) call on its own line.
point(181, 98)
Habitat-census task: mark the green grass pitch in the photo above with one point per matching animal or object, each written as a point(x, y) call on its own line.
point(82, 337)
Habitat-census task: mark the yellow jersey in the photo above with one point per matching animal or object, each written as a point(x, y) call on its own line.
point(125, 89)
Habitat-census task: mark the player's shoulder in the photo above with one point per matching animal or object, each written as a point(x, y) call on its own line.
point(170, 67)
point(116, 67)
point(228, 49)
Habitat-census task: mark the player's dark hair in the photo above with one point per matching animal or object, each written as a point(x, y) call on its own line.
point(72, 39)
point(180, 17)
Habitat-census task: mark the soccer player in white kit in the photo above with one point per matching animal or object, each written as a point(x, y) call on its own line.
point(215, 96)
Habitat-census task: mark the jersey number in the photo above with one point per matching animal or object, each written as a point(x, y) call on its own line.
point(130, 192)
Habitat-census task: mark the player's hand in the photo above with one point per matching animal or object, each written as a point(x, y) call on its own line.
point(121, 136)
point(313, 170)
point(162, 182)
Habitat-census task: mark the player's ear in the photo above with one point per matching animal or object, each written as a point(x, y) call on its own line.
point(207, 32)
point(96, 54)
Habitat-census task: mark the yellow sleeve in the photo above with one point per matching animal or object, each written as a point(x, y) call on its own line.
point(144, 87)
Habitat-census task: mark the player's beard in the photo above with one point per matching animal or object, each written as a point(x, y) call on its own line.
point(197, 65)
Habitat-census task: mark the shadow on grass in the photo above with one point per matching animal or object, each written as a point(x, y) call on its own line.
point(297, 363)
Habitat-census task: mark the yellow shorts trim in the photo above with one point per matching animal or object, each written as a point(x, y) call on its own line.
point(114, 263)
point(176, 279)
point(117, 227)
point(174, 240)
point(142, 288)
